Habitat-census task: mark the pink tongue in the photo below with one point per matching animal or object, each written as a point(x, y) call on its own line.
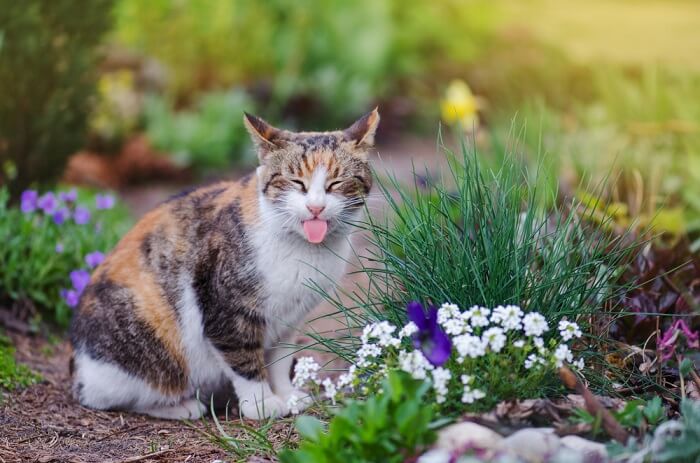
point(315, 230)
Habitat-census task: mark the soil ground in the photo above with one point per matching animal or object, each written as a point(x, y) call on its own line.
point(43, 423)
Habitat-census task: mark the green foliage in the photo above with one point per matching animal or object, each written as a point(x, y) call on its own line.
point(47, 59)
point(391, 426)
point(482, 237)
point(31, 269)
point(684, 447)
point(13, 374)
point(209, 137)
point(332, 58)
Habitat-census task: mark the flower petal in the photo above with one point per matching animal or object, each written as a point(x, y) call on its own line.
point(416, 314)
point(440, 348)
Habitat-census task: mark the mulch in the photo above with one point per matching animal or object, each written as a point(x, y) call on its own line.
point(43, 423)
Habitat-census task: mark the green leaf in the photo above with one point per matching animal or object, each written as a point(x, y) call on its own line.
point(685, 367)
point(309, 427)
point(654, 411)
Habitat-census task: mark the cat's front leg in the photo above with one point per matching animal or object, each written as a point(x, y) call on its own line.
point(279, 359)
point(256, 400)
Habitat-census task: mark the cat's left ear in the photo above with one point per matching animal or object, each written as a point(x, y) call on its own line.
point(266, 137)
point(363, 130)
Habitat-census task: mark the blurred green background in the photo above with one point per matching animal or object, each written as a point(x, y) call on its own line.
point(111, 93)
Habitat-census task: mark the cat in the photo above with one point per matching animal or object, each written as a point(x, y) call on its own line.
point(208, 291)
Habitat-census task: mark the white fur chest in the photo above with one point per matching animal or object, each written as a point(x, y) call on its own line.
point(288, 266)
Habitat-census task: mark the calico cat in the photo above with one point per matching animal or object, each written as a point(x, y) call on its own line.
point(203, 292)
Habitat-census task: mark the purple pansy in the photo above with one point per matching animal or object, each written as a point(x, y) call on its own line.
point(61, 215)
point(69, 196)
point(28, 201)
point(71, 297)
point(47, 203)
point(80, 280)
point(105, 201)
point(81, 215)
point(94, 259)
point(669, 340)
point(430, 338)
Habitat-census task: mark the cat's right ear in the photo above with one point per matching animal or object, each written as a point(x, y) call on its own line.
point(265, 137)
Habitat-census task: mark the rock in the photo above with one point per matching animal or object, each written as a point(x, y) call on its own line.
point(587, 448)
point(466, 435)
point(532, 444)
point(435, 456)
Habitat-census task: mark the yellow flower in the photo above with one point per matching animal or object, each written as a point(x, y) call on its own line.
point(460, 106)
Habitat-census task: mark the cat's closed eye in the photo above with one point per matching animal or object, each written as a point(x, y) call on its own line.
point(300, 184)
point(333, 184)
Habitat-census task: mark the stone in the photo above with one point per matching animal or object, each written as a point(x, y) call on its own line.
point(587, 448)
point(532, 444)
point(466, 435)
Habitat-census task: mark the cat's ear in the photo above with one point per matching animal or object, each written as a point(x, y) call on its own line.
point(265, 137)
point(363, 130)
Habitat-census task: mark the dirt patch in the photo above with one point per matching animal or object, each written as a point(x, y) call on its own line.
point(43, 423)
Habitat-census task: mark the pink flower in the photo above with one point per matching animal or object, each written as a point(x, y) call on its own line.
point(669, 340)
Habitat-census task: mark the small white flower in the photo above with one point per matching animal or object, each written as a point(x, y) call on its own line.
point(330, 389)
point(472, 395)
point(532, 360)
point(293, 404)
point(563, 354)
point(478, 316)
point(415, 364)
point(365, 352)
point(469, 346)
point(495, 338)
point(382, 331)
point(580, 364)
point(569, 330)
point(534, 324)
point(441, 377)
point(448, 312)
point(466, 379)
point(509, 317)
point(455, 326)
point(305, 370)
point(408, 330)
point(347, 378)
point(520, 343)
point(539, 343)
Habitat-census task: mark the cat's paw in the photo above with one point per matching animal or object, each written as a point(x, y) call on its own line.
point(297, 400)
point(271, 406)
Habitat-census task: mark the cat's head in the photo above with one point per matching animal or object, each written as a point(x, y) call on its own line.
point(312, 183)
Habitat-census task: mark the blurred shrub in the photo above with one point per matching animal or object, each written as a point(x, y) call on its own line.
point(117, 108)
point(329, 58)
point(47, 55)
point(47, 237)
point(210, 136)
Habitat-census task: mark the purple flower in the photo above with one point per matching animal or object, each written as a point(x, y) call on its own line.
point(69, 196)
point(81, 215)
point(59, 248)
point(430, 338)
point(47, 203)
point(105, 201)
point(28, 199)
point(61, 215)
point(80, 280)
point(70, 296)
point(669, 340)
point(94, 259)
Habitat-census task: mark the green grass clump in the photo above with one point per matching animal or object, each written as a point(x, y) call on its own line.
point(479, 237)
point(12, 374)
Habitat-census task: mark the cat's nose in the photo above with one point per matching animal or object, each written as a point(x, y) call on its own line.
point(315, 210)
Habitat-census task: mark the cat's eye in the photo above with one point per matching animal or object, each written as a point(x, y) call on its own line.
point(333, 184)
point(300, 183)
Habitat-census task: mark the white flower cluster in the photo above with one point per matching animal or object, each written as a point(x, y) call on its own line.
point(474, 333)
